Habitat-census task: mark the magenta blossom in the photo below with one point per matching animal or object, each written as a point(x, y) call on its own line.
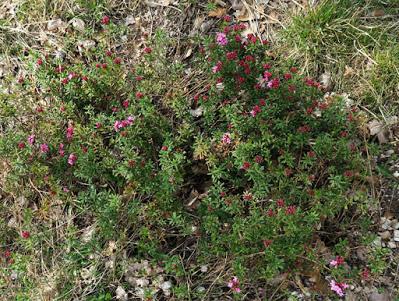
point(31, 139)
point(221, 39)
point(338, 288)
point(217, 67)
point(61, 150)
point(255, 110)
point(69, 133)
point(234, 284)
point(226, 138)
point(44, 148)
point(72, 159)
point(339, 260)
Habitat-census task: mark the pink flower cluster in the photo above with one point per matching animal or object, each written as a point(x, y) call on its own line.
point(69, 133)
point(120, 124)
point(217, 67)
point(255, 110)
point(339, 260)
point(234, 284)
point(338, 287)
point(72, 159)
point(226, 138)
point(221, 39)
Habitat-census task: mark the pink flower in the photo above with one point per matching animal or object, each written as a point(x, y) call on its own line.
point(338, 288)
point(105, 20)
point(61, 150)
point(125, 103)
point(25, 234)
point(21, 145)
point(221, 39)
point(290, 210)
point(246, 165)
point(69, 133)
point(147, 50)
point(339, 260)
point(72, 159)
point(217, 67)
point(274, 83)
point(71, 75)
point(130, 119)
point(44, 148)
point(226, 139)
point(234, 284)
point(231, 55)
point(255, 110)
point(117, 125)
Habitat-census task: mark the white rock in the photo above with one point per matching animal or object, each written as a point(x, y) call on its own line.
point(78, 24)
point(166, 285)
point(396, 174)
point(142, 282)
point(197, 112)
point(389, 152)
point(385, 235)
point(385, 225)
point(396, 235)
point(130, 20)
point(204, 268)
point(200, 289)
point(121, 293)
point(377, 241)
point(87, 44)
point(391, 245)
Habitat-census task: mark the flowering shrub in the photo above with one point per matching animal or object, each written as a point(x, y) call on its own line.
point(280, 161)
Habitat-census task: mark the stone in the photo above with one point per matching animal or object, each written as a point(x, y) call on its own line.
point(78, 24)
point(53, 25)
point(121, 294)
point(392, 245)
point(377, 242)
point(386, 235)
point(396, 235)
point(379, 297)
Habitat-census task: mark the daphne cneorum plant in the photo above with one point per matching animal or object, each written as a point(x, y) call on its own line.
point(281, 159)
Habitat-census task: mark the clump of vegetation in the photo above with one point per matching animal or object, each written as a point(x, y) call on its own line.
point(351, 41)
point(251, 176)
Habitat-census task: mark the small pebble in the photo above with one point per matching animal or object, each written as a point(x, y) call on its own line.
point(386, 235)
point(392, 245)
point(396, 235)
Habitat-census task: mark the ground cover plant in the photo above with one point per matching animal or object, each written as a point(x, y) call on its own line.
point(124, 181)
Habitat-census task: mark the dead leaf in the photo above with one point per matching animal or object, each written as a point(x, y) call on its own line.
point(378, 13)
point(349, 71)
point(273, 17)
point(244, 15)
point(57, 24)
point(218, 12)
point(325, 80)
point(188, 52)
point(376, 128)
